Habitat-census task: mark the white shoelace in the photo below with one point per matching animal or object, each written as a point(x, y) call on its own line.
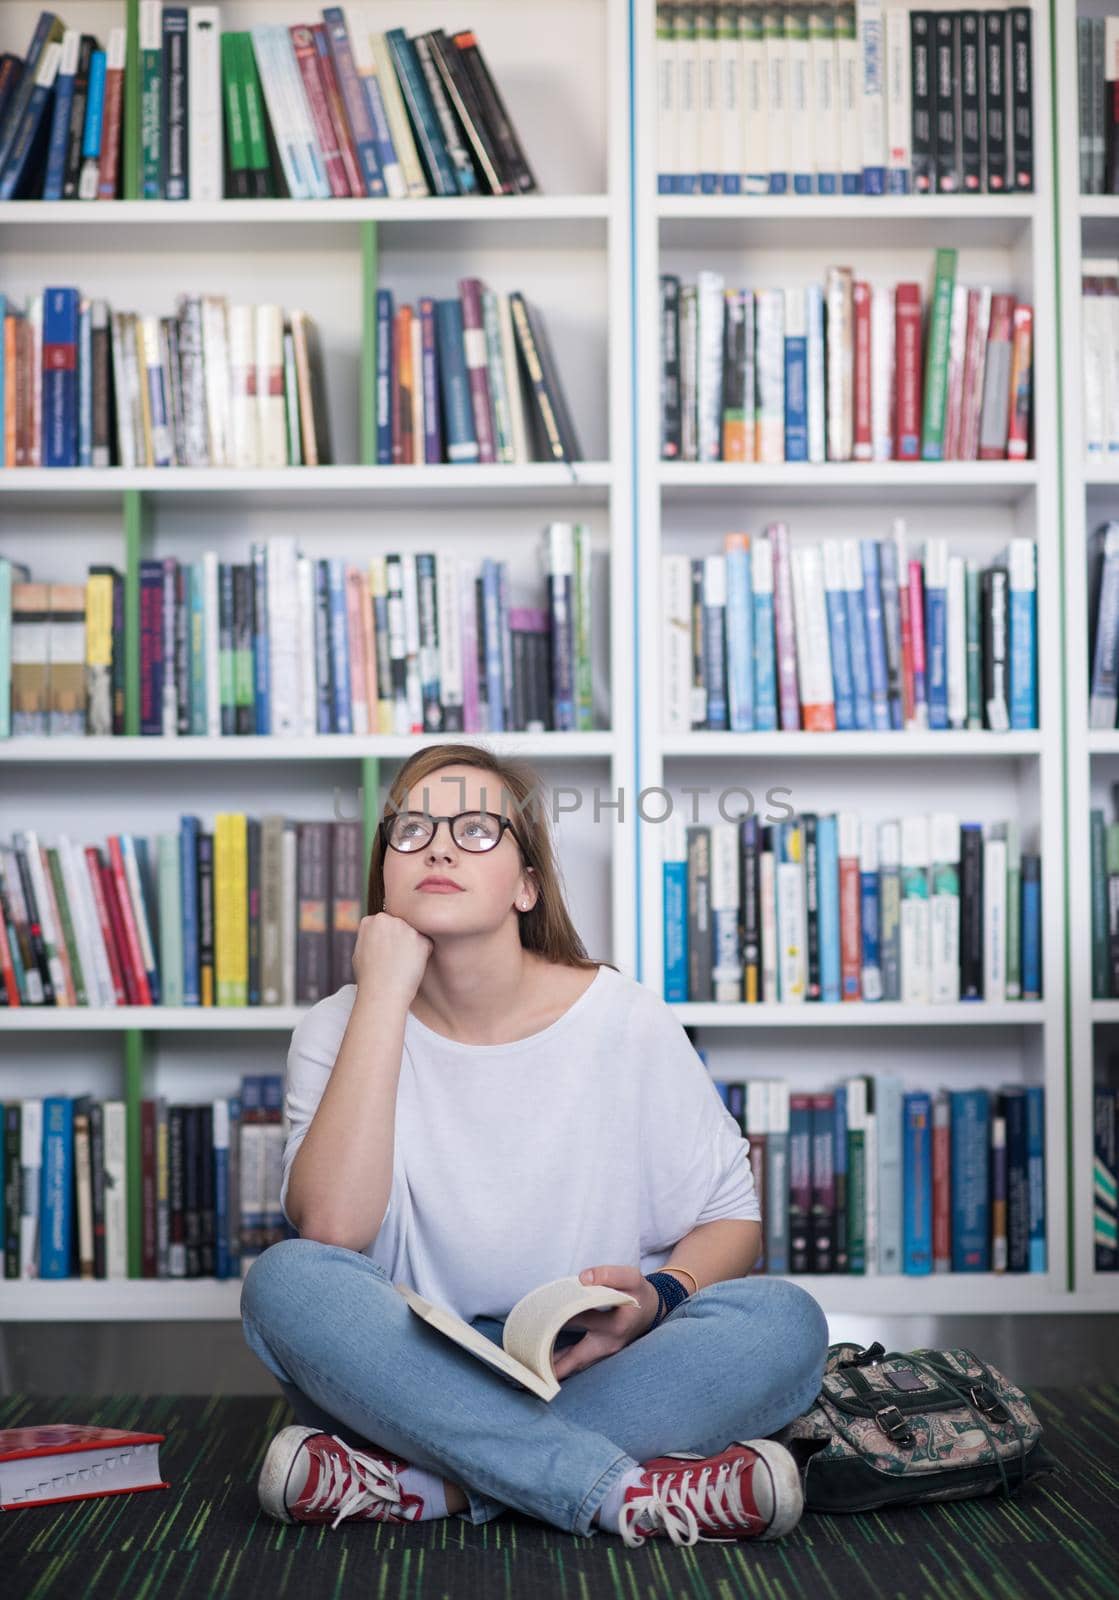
point(371, 1481)
point(677, 1510)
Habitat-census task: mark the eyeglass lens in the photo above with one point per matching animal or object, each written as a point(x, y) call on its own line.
point(474, 830)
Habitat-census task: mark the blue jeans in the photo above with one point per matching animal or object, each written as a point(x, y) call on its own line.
point(737, 1360)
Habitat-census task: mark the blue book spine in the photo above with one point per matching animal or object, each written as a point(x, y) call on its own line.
point(714, 664)
point(796, 395)
point(860, 658)
point(891, 617)
point(1031, 928)
point(233, 1245)
point(429, 135)
point(324, 670)
point(458, 416)
point(875, 638)
point(339, 646)
point(827, 905)
point(917, 1186)
point(870, 25)
point(383, 146)
point(675, 889)
point(94, 108)
point(17, 100)
point(765, 664)
point(60, 378)
point(221, 1206)
point(433, 433)
point(1035, 1159)
point(197, 650)
point(740, 640)
point(1022, 666)
point(354, 99)
point(936, 655)
point(60, 117)
point(852, 183)
point(85, 383)
point(869, 934)
point(262, 692)
point(27, 139)
point(970, 1180)
point(495, 692)
point(843, 687)
point(56, 1186)
point(189, 828)
point(385, 329)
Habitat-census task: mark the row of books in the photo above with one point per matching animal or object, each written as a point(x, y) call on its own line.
point(849, 634)
point(221, 384)
point(1099, 330)
point(251, 912)
point(412, 642)
point(832, 908)
point(872, 1178)
point(209, 1179)
point(865, 98)
point(1105, 1176)
point(1103, 626)
point(1097, 39)
point(1103, 837)
point(326, 110)
point(844, 371)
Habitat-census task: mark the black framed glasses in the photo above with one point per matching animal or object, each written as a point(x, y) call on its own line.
point(476, 831)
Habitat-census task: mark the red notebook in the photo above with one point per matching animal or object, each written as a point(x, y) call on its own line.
point(39, 1466)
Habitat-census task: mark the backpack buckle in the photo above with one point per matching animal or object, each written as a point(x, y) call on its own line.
point(986, 1401)
point(865, 1358)
point(893, 1424)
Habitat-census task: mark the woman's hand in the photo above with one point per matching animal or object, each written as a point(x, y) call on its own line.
point(390, 956)
point(610, 1330)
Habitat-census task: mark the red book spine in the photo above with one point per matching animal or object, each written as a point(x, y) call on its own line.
point(307, 55)
point(11, 987)
point(346, 146)
point(95, 868)
point(147, 1189)
point(108, 172)
point(864, 443)
point(120, 938)
point(850, 929)
point(1021, 375)
point(917, 638)
point(128, 921)
point(907, 370)
point(477, 365)
point(972, 388)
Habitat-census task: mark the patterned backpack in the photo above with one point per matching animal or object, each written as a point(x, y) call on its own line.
point(894, 1429)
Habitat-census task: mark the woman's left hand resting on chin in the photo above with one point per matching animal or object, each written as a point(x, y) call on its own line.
point(610, 1330)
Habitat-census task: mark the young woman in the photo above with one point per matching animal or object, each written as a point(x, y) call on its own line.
point(484, 1109)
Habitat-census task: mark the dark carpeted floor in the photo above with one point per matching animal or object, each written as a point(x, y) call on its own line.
point(206, 1537)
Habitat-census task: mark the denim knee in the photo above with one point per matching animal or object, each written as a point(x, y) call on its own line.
point(285, 1266)
point(800, 1330)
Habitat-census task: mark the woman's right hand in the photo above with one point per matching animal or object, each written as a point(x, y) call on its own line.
point(390, 956)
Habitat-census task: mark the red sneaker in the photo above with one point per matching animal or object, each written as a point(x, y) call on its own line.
point(750, 1490)
point(309, 1476)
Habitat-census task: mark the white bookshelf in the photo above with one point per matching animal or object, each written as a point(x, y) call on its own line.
point(687, 507)
point(1088, 226)
point(569, 249)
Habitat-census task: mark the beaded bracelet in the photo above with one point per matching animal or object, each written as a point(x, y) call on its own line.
point(670, 1293)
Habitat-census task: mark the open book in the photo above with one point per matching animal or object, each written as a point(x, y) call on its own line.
point(525, 1352)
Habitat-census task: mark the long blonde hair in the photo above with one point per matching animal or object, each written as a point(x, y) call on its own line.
point(547, 928)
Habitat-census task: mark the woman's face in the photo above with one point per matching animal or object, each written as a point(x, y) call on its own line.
point(491, 885)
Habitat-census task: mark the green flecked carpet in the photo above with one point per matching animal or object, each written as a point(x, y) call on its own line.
point(206, 1537)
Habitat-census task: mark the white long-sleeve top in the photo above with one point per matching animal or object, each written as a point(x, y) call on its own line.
point(600, 1140)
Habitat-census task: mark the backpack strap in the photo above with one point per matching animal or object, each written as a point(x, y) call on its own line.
point(968, 1398)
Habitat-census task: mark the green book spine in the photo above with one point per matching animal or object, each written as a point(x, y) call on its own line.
point(1100, 984)
point(80, 996)
point(151, 106)
point(584, 695)
point(856, 1200)
point(1111, 906)
point(232, 95)
point(196, 634)
point(973, 609)
point(255, 134)
point(170, 920)
point(1013, 912)
point(244, 694)
point(936, 358)
point(499, 388)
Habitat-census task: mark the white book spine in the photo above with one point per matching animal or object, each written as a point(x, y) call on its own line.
point(816, 387)
point(163, 447)
point(1095, 358)
point(114, 1133)
point(944, 846)
point(710, 105)
point(771, 374)
point(825, 101)
point(872, 94)
point(676, 581)
point(268, 42)
point(450, 634)
point(271, 430)
point(899, 109)
point(205, 120)
point(777, 102)
point(994, 916)
point(91, 945)
point(1110, 344)
point(301, 683)
point(840, 364)
point(243, 380)
point(792, 930)
point(882, 372)
point(870, 1219)
point(215, 364)
point(850, 133)
point(517, 424)
point(710, 289)
point(687, 107)
point(726, 966)
point(668, 131)
point(283, 641)
point(730, 98)
point(211, 648)
point(801, 107)
point(812, 640)
point(767, 894)
point(957, 644)
point(757, 1106)
point(755, 109)
point(31, 1167)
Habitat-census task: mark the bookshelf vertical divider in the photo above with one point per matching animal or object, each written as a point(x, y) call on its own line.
point(369, 268)
point(133, 102)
